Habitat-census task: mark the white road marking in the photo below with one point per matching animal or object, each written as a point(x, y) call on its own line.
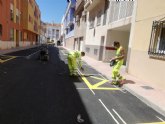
point(160, 119)
point(109, 112)
point(33, 53)
point(92, 91)
point(119, 116)
point(102, 76)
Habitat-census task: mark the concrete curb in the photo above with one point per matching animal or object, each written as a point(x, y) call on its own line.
point(16, 49)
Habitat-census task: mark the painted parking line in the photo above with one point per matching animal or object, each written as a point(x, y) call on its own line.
point(98, 85)
point(153, 123)
point(5, 60)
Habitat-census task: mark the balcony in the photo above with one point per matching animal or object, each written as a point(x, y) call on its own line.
point(90, 4)
point(120, 10)
point(79, 6)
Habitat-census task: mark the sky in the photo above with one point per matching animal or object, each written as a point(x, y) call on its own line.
point(52, 10)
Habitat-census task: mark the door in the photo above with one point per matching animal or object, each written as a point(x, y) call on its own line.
point(101, 48)
point(17, 38)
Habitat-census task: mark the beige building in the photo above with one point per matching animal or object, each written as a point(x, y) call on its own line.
point(138, 26)
point(147, 42)
point(80, 26)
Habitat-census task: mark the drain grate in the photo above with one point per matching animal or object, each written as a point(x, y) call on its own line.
point(147, 87)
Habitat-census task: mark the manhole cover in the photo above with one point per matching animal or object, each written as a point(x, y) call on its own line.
point(147, 87)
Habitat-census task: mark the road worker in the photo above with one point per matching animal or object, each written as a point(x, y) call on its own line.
point(74, 61)
point(117, 79)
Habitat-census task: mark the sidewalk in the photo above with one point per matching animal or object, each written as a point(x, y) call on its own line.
point(148, 93)
point(15, 49)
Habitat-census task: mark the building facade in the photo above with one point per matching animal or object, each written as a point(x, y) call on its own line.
point(68, 22)
point(53, 32)
point(31, 18)
point(80, 26)
point(10, 27)
point(107, 20)
point(16, 30)
point(147, 42)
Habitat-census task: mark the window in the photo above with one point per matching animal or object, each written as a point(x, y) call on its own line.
point(17, 19)
point(12, 34)
point(95, 51)
point(11, 15)
point(87, 49)
point(57, 34)
point(0, 30)
point(11, 12)
point(99, 18)
point(157, 41)
point(91, 23)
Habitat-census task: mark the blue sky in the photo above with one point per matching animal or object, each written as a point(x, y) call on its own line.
point(52, 10)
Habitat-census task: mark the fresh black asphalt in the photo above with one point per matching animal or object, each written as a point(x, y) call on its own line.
point(41, 92)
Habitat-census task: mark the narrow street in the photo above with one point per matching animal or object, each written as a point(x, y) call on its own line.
point(41, 92)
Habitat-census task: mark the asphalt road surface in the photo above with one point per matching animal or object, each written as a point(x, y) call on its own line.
point(41, 92)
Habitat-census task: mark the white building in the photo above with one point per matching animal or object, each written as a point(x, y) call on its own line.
point(53, 32)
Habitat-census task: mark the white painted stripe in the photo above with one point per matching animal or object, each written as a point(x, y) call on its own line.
point(119, 116)
point(92, 91)
point(82, 88)
point(160, 119)
point(33, 53)
point(102, 76)
point(86, 89)
point(109, 112)
point(62, 52)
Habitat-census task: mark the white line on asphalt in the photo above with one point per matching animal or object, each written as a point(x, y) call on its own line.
point(109, 112)
point(82, 74)
point(62, 52)
point(92, 91)
point(82, 88)
point(119, 116)
point(102, 76)
point(33, 53)
point(86, 89)
point(160, 119)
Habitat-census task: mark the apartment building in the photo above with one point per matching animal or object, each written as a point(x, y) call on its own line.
point(147, 42)
point(53, 31)
point(19, 23)
point(139, 26)
point(107, 21)
point(30, 20)
point(68, 23)
point(80, 26)
point(10, 27)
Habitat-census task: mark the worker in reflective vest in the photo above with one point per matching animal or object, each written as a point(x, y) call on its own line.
point(74, 61)
point(117, 79)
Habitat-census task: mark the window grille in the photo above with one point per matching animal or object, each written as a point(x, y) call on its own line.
point(157, 41)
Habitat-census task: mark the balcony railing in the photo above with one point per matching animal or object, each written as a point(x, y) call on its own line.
point(78, 3)
point(120, 10)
